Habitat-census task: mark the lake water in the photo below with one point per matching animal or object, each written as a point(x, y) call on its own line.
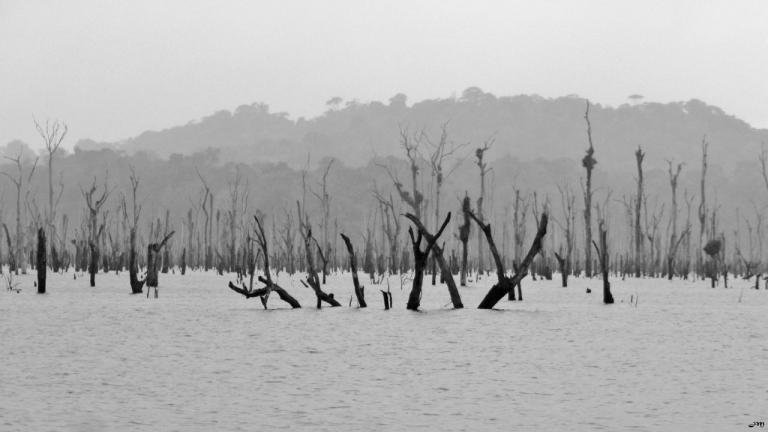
point(203, 358)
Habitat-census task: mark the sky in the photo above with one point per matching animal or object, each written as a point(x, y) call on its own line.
point(113, 69)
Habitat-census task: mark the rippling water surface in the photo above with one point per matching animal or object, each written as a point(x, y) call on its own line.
point(203, 358)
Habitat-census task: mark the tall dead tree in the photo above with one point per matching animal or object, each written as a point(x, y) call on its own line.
point(482, 164)
point(325, 205)
point(133, 268)
point(442, 151)
point(269, 285)
point(464, 231)
point(206, 205)
point(232, 217)
point(53, 134)
point(518, 221)
point(588, 162)
point(420, 258)
point(639, 254)
point(95, 231)
point(674, 240)
point(702, 204)
point(391, 226)
point(506, 284)
point(16, 253)
point(565, 257)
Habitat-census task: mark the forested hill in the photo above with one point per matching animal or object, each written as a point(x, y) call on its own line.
point(525, 127)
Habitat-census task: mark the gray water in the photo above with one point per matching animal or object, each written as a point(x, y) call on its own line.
point(203, 358)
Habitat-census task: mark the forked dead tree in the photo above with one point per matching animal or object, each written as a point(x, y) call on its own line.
point(437, 252)
point(53, 134)
point(269, 285)
point(674, 240)
point(95, 231)
point(22, 171)
point(133, 268)
point(313, 281)
point(506, 284)
point(420, 258)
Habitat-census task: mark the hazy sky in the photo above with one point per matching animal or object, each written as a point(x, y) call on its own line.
point(114, 69)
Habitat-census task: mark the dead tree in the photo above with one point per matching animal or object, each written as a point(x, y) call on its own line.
point(441, 152)
point(53, 134)
point(674, 240)
point(269, 285)
point(702, 204)
point(153, 261)
point(16, 254)
point(602, 254)
point(40, 264)
point(565, 258)
point(482, 164)
point(312, 280)
point(437, 252)
point(639, 254)
point(518, 221)
point(391, 226)
point(207, 199)
point(420, 261)
point(133, 268)
point(359, 290)
point(713, 249)
point(95, 231)
point(506, 284)
point(588, 162)
point(325, 204)
point(464, 231)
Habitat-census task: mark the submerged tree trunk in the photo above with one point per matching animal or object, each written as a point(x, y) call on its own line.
point(437, 253)
point(602, 253)
point(137, 284)
point(505, 284)
point(359, 290)
point(40, 264)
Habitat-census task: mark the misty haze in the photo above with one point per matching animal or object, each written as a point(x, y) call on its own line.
point(383, 216)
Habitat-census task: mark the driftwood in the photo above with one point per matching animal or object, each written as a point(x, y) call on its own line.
point(437, 253)
point(359, 290)
point(263, 293)
point(506, 284)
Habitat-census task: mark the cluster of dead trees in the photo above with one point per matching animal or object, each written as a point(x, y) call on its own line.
point(676, 237)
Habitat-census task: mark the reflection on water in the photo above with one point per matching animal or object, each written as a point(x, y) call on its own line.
point(202, 358)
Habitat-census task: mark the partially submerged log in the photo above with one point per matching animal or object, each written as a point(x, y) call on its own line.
point(263, 293)
point(445, 269)
point(359, 290)
point(506, 284)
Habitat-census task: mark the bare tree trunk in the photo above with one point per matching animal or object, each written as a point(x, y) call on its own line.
point(359, 290)
point(589, 163)
point(420, 259)
point(639, 254)
point(40, 264)
point(602, 253)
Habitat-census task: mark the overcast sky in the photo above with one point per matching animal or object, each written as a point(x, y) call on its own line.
point(114, 69)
